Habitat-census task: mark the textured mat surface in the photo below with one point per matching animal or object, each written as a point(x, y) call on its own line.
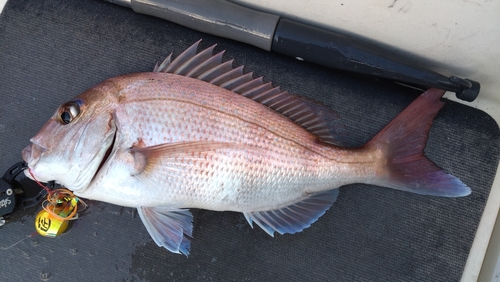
point(50, 51)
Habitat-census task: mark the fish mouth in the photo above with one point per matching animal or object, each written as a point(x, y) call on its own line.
point(106, 155)
point(32, 153)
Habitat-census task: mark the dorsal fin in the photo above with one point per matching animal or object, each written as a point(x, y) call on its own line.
point(210, 68)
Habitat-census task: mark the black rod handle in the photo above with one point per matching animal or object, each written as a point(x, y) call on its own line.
point(339, 51)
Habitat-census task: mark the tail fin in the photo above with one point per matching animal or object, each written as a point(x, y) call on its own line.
point(403, 141)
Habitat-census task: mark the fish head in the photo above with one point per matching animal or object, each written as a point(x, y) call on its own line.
point(74, 143)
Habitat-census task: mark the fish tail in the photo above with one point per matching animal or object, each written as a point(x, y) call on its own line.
point(402, 143)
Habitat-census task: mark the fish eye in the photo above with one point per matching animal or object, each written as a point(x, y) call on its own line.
point(69, 111)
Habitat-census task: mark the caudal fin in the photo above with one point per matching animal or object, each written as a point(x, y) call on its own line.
point(403, 141)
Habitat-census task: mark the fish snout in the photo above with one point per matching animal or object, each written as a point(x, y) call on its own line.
point(32, 153)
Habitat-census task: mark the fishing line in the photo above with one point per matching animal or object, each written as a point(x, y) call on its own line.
point(27, 236)
point(39, 183)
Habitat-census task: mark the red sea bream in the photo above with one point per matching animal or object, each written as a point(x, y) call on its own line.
point(198, 133)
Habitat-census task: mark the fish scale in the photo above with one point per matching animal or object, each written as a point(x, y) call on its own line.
point(215, 138)
point(205, 113)
point(279, 145)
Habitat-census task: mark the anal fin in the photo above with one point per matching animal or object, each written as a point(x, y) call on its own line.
point(168, 227)
point(293, 218)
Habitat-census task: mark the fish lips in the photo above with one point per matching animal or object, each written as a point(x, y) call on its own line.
point(31, 155)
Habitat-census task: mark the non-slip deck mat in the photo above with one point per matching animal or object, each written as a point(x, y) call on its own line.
point(51, 50)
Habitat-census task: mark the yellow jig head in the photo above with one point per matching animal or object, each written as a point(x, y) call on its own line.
point(48, 226)
point(59, 207)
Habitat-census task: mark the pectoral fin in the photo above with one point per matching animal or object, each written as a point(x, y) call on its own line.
point(293, 218)
point(168, 227)
point(147, 159)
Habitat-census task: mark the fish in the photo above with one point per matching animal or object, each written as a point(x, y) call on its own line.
point(197, 132)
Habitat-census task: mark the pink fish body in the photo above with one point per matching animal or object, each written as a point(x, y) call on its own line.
point(197, 133)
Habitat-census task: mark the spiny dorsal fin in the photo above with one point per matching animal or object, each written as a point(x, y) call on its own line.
point(210, 68)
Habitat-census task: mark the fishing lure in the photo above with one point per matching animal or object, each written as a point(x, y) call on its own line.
point(60, 206)
point(58, 209)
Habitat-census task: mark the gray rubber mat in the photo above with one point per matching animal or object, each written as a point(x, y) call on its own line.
point(51, 50)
